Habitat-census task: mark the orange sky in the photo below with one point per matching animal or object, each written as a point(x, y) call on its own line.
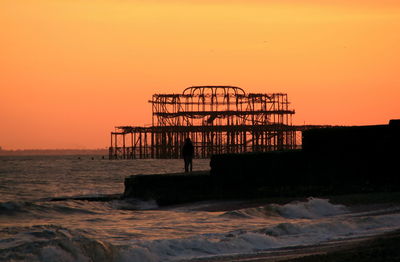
point(71, 70)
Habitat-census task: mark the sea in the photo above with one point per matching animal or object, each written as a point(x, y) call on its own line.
point(50, 210)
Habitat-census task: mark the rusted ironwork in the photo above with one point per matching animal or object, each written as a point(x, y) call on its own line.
point(218, 119)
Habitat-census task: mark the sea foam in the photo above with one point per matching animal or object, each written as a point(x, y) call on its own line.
point(297, 224)
point(311, 209)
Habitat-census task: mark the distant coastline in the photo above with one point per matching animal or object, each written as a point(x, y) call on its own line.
point(53, 152)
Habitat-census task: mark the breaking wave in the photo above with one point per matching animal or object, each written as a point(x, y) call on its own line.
point(52, 243)
point(56, 243)
point(320, 221)
point(311, 209)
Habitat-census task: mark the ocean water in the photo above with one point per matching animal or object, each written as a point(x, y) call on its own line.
point(43, 219)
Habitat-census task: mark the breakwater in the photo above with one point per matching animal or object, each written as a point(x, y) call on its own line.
point(333, 161)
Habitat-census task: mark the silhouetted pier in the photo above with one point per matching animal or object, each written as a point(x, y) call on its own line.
point(218, 119)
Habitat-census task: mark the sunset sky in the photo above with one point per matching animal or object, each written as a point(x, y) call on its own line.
point(71, 70)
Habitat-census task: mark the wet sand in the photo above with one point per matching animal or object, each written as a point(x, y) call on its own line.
point(384, 247)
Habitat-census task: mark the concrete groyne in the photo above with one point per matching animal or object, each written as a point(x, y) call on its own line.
point(333, 161)
point(170, 188)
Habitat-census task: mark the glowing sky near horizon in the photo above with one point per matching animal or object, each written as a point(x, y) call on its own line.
point(71, 70)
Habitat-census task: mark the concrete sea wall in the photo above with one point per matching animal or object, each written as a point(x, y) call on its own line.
point(333, 161)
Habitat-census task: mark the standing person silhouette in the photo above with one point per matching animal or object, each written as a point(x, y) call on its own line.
point(188, 153)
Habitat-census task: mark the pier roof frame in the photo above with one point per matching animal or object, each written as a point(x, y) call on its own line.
point(218, 118)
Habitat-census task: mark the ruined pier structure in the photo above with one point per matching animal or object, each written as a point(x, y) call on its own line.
point(218, 119)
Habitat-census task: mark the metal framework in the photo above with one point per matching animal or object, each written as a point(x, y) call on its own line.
point(218, 119)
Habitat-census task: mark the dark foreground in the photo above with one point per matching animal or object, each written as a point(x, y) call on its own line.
point(381, 248)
